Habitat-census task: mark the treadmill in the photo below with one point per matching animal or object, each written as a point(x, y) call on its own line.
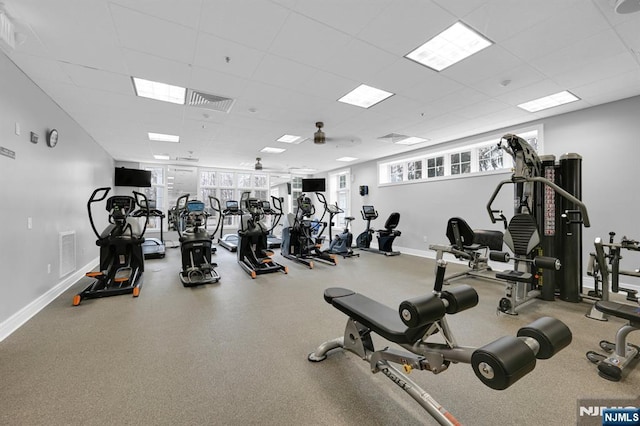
point(229, 241)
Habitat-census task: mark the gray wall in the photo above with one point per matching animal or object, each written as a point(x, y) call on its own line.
point(51, 186)
point(606, 136)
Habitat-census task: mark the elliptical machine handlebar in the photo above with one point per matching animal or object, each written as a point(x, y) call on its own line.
point(95, 199)
point(143, 203)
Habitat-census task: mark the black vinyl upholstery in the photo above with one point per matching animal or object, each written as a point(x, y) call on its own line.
point(380, 318)
point(522, 234)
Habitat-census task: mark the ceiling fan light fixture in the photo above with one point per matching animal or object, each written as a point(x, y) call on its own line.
point(258, 165)
point(318, 136)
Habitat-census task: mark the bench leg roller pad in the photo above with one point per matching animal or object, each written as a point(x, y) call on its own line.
point(552, 335)
point(503, 362)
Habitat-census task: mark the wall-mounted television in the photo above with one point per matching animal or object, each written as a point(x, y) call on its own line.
point(132, 177)
point(313, 185)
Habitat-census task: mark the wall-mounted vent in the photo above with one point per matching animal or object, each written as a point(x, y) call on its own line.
point(194, 160)
point(209, 101)
point(67, 249)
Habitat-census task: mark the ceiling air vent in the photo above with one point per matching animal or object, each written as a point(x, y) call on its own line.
point(209, 101)
point(393, 137)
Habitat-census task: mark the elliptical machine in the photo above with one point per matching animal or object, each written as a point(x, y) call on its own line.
point(341, 243)
point(298, 240)
point(121, 258)
point(385, 236)
point(253, 253)
point(195, 243)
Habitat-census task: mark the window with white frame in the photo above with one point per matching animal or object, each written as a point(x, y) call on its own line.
point(460, 163)
point(155, 195)
point(435, 166)
point(481, 156)
point(340, 193)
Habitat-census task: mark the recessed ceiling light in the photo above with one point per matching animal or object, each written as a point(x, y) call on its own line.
point(289, 139)
point(550, 101)
point(161, 157)
point(302, 170)
point(271, 150)
point(159, 137)
point(170, 178)
point(365, 96)
point(411, 140)
point(159, 91)
point(346, 159)
point(450, 46)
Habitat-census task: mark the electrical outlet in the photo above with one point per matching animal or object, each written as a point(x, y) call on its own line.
point(29, 223)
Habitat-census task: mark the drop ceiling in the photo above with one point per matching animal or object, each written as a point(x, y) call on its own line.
point(285, 63)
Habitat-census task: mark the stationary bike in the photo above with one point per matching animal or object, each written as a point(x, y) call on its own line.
point(385, 236)
point(341, 243)
point(121, 258)
point(195, 243)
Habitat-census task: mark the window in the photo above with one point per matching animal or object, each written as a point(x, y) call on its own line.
point(490, 158)
point(296, 191)
point(244, 180)
point(396, 172)
point(414, 170)
point(435, 167)
point(342, 181)
point(339, 191)
point(481, 156)
point(155, 195)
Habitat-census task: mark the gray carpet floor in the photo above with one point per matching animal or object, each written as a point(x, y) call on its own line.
point(235, 353)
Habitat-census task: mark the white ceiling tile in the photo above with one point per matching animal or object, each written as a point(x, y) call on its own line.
point(405, 25)
point(212, 53)
point(217, 83)
point(254, 24)
point(99, 80)
point(570, 58)
point(481, 109)
point(537, 90)
point(148, 34)
point(460, 8)
point(598, 70)
point(571, 26)
point(358, 60)
point(482, 65)
point(432, 87)
point(154, 68)
point(307, 41)
point(283, 72)
point(619, 87)
point(509, 79)
point(350, 20)
point(188, 14)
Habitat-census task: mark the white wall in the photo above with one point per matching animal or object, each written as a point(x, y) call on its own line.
point(50, 185)
point(606, 136)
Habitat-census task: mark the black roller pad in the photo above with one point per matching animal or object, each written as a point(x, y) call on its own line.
point(460, 298)
point(503, 362)
point(420, 311)
point(552, 335)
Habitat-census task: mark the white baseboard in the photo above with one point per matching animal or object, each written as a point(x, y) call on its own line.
point(25, 314)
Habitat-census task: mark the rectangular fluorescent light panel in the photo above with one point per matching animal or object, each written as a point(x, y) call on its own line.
point(365, 96)
point(161, 157)
point(159, 91)
point(450, 46)
point(411, 140)
point(550, 101)
point(346, 159)
point(159, 137)
point(289, 139)
point(271, 150)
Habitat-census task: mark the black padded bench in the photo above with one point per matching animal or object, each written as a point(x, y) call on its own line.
point(629, 312)
point(380, 318)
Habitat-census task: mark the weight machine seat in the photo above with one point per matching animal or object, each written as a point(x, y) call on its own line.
point(379, 318)
point(619, 310)
point(390, 226)
point(472, 240)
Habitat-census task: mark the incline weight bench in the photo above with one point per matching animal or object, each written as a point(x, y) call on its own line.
point(498, 364)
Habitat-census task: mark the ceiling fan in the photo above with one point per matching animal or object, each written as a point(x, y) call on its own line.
point(320, 138)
